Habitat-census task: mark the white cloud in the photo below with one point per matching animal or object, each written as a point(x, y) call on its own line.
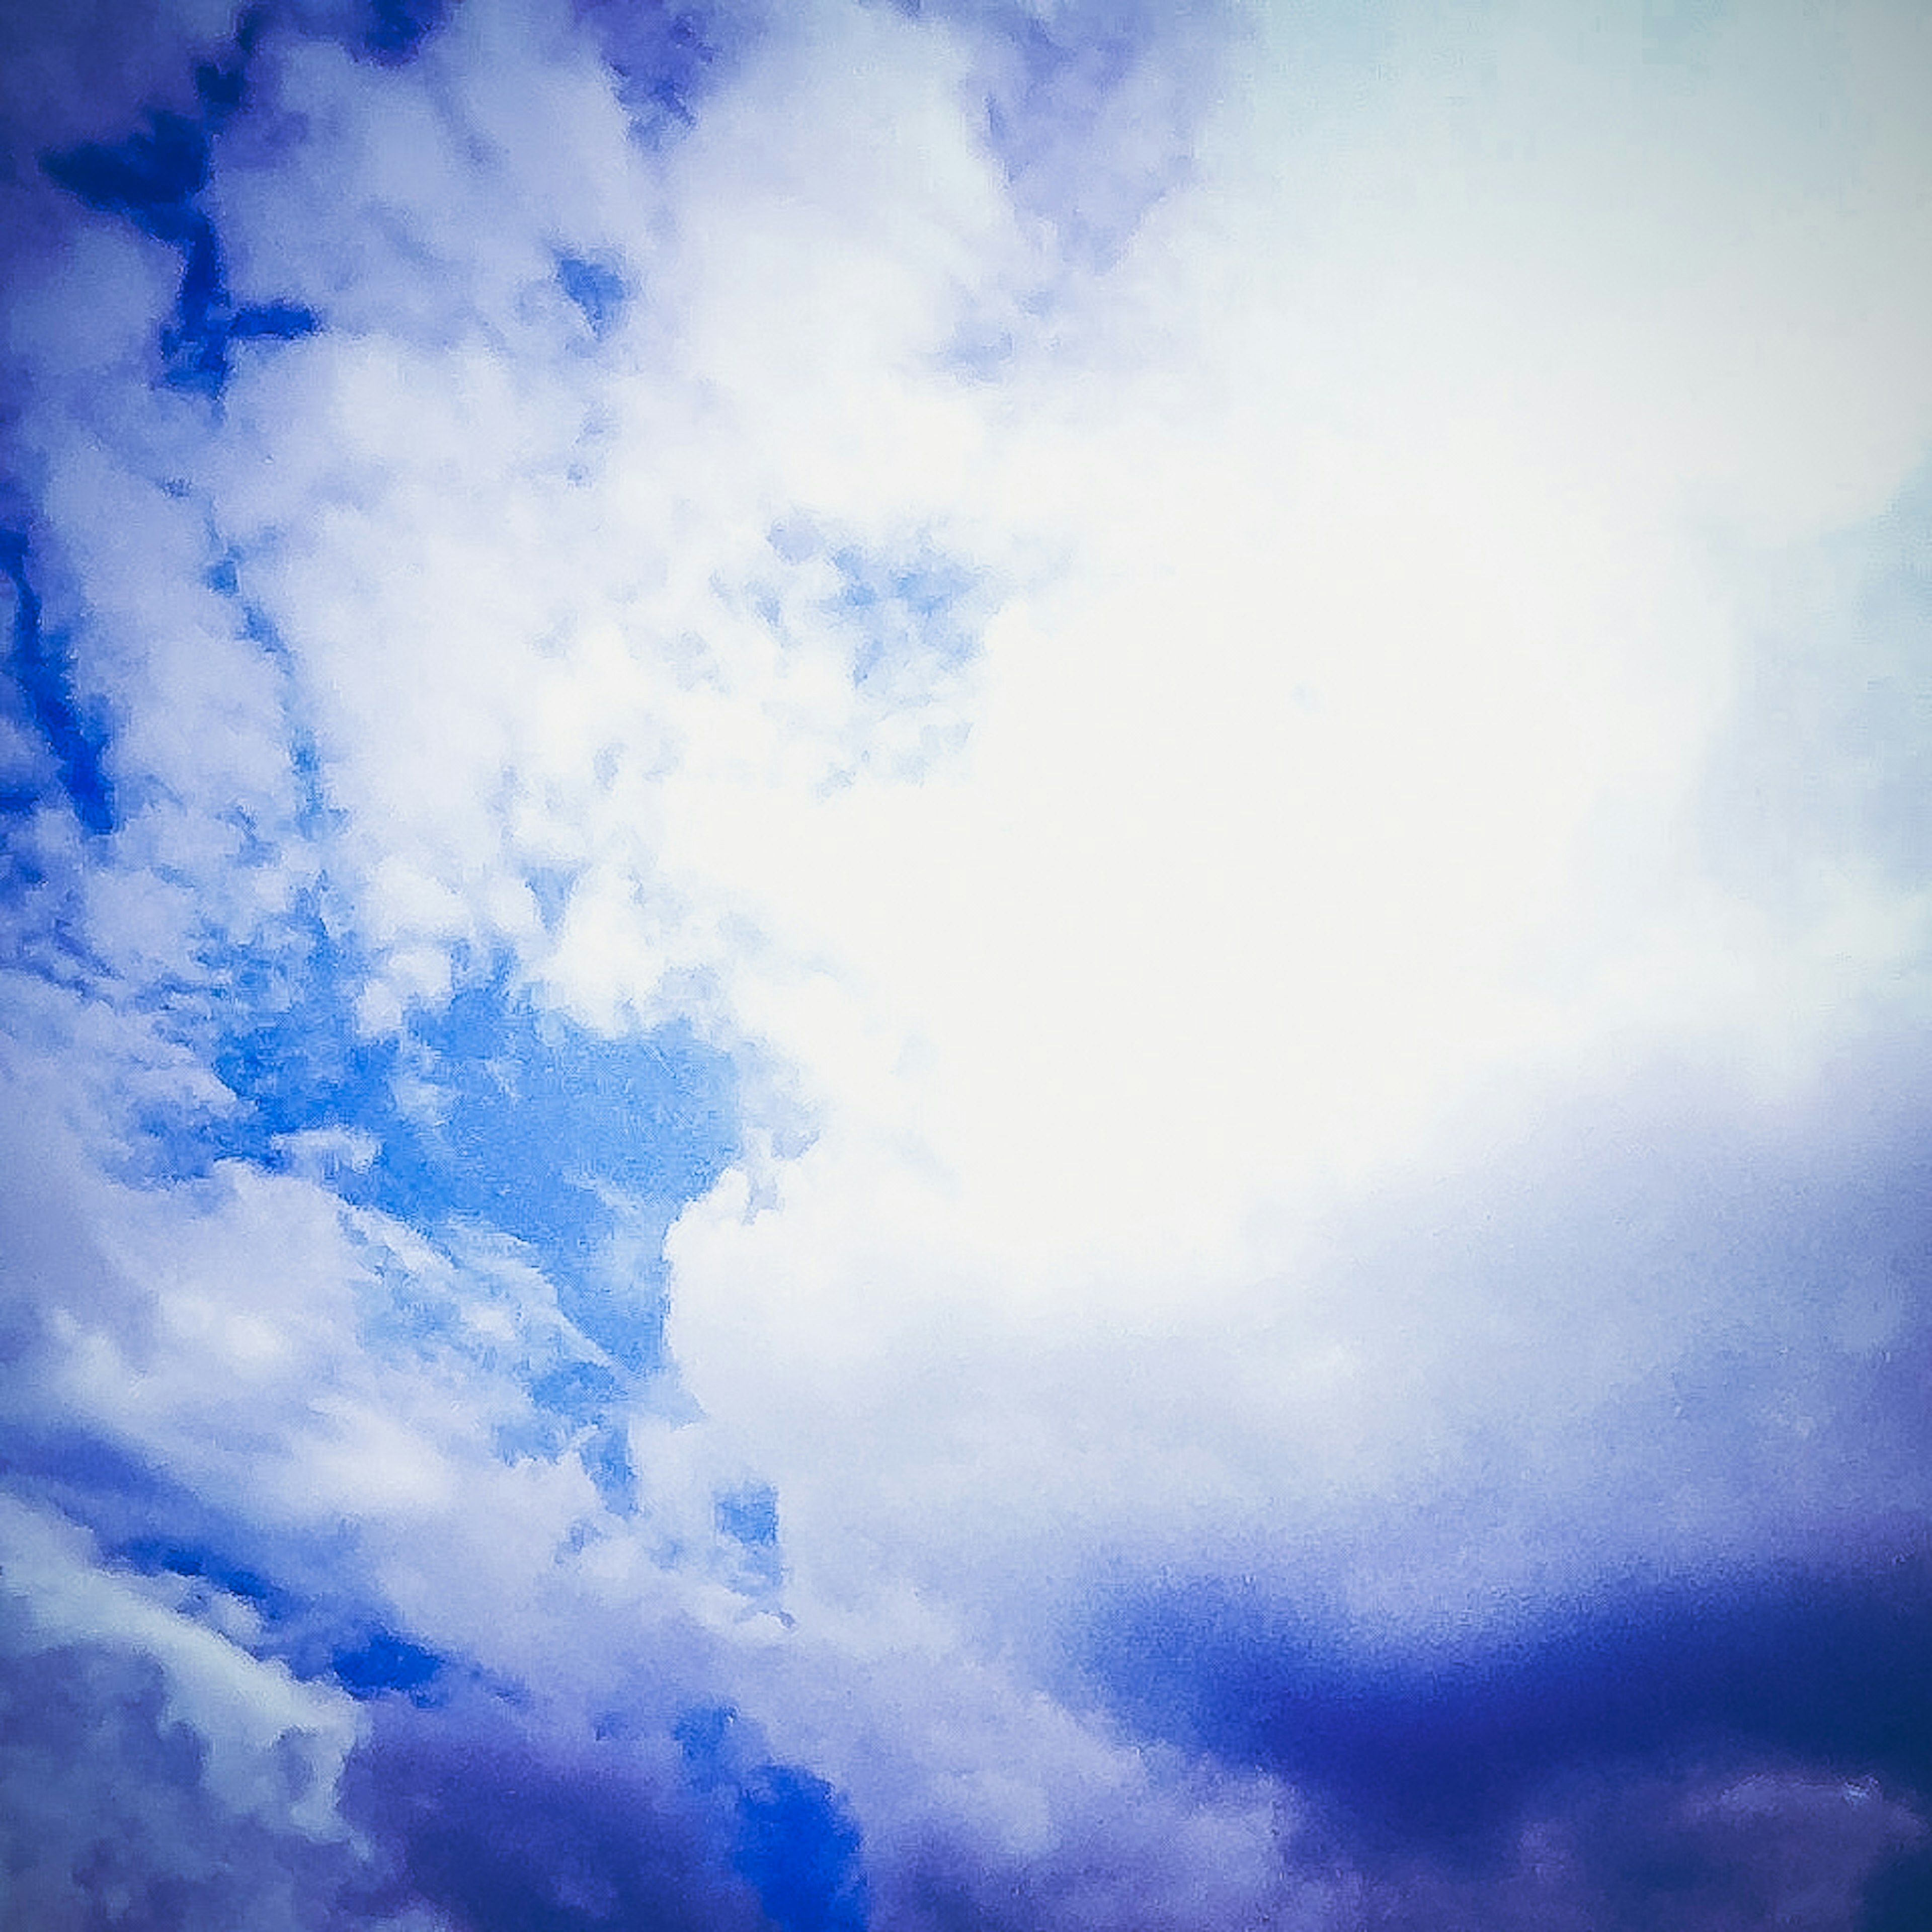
point(252, 1716)
point(1356, 656)
point(1172, 1032)
point(1350, 758)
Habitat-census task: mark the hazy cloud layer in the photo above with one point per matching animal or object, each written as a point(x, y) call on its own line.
point(964, 965)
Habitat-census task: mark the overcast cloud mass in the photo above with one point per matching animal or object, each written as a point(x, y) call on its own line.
point(966, 965)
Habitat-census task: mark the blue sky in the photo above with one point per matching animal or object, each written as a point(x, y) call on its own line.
point(964, 965)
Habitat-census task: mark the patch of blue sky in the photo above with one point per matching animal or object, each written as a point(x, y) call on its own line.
point(393, 32)
point(282, 1037)
point(800, 1848)
point(577, 1391)
point(550, 887)
point(566, 1141)
point(489, 1114)
point(296, 1609)
point(598, 292)
point(383, 1663)
point(314, 816)
point(1085, 146)
point(577, 1405)
point(154, 179)
point(40, 669)
point(605, 1455)
point(154, 1555)
point(794, 1839)
point(747, 1516)
point(668, 58)
point(910, 617)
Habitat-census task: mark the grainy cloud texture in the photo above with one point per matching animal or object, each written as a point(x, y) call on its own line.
point(965, 965)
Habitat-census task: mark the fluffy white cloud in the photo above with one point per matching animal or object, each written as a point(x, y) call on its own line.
point(1349, 762)
point(1159, 626)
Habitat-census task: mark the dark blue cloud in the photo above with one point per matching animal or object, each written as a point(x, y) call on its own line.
point(1899, 1899)
point(507, 1831)
point(1443, 1746)
point(106, 1817)
point(1788, 1412)
point(154, 178)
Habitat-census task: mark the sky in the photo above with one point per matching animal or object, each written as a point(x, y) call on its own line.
point(964, 966)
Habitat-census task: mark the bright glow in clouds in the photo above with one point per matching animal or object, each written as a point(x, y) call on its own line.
point(965, 966)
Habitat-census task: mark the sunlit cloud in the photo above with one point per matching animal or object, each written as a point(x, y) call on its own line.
point(964, 965)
